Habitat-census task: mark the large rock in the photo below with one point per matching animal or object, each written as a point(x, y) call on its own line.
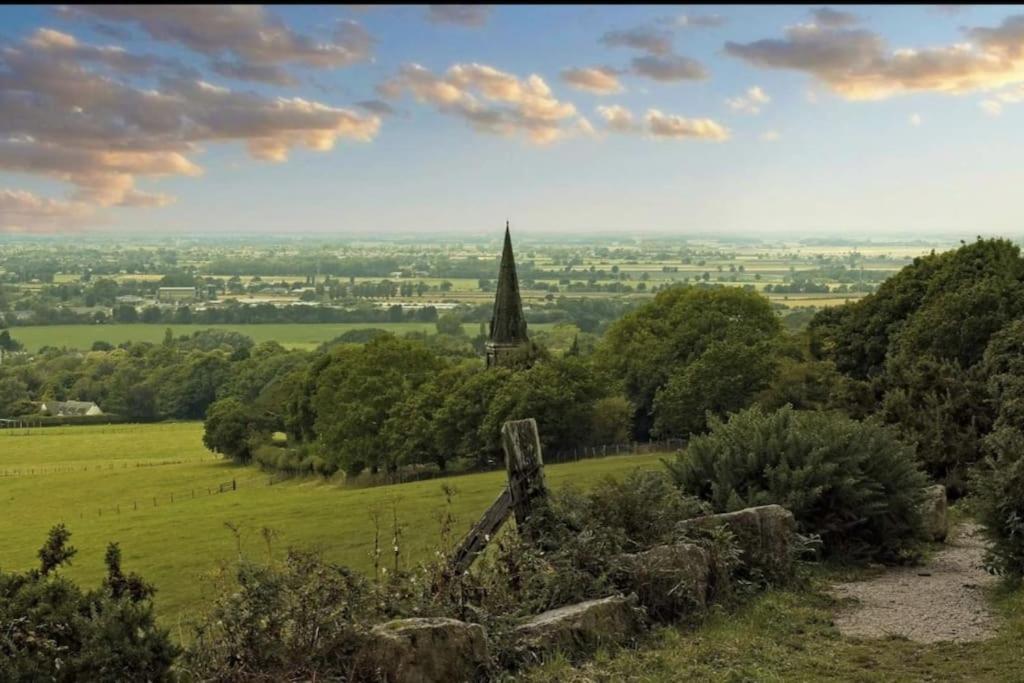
point(424, 650)
point(670, 580)
point(764, 534)
point(933, 513)
point(583, 627)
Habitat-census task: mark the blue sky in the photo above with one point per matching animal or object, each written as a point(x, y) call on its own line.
point(874, 121)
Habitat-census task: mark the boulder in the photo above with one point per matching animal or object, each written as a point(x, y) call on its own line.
point(583, 627)
point(764, 535)
point(933, 513)
point(424, 650)
point(669, 580)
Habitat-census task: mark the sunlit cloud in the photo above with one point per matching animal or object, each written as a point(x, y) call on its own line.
point(750, 102)
point(915, 119)
point(657, 124)
point(858, 65)
point(71, 111)
point(599, 80)
point(490, 100)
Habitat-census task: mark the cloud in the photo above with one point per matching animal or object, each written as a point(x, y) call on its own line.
point(671, 126)
point(651, 40)
point(669, 69)
point(490, 100)
point(461, 15)
point(378, 107)
point(618, 119)
point(600, 80)
point(750, 102)
point(993, 105)
point(263, 73)
point(858, 65)
point(770, 136)
point(699, 21)
point(831, 18)
point(24, 212)
point(72, 112)
point(660, 125)
point(915, 119)
point(244, 39)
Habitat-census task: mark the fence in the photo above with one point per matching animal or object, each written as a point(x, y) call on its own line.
point(553, 458)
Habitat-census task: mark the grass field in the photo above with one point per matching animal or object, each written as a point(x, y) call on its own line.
point(102, 481)
point(289, 335)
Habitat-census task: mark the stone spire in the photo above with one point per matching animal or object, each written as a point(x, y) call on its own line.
point(508, 325)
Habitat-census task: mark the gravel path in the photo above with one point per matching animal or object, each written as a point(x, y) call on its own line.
point(940, 601)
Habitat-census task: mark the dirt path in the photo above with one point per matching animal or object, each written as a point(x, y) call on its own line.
point(940, 601)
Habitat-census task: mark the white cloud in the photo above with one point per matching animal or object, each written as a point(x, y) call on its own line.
point(600, 80)
point(460, 15)
point(915, 119)
point(750, 102)
point(657, 124)
point(490, 100)
point(770, 136)
point(61, 117)
point(858, 65)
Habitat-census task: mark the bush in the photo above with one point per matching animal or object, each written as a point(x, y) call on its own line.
point(853, 483)
point(998, 500)
point(51, 630)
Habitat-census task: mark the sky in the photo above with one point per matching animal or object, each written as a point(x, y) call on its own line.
point(353, 120)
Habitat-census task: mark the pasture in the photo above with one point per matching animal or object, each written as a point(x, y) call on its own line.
point(296, 336)
point(117, 483)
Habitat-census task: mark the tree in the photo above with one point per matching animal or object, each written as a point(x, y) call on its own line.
point(647, 347)
point(230, 428)
point(356, 392)
point(7, 343)
point(450, 323)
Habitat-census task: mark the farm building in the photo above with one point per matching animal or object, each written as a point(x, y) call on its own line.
point(70, 408)
point(176, 294)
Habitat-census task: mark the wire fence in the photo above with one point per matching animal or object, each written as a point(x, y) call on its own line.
point(407, 475)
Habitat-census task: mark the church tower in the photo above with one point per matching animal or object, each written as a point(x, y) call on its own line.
point(508, 324)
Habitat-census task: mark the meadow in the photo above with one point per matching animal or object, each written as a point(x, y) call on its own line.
point(153, 489)
point(294, 336)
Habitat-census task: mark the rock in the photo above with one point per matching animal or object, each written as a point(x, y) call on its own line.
point(424, 650)
point(583, 627)
point(933, 513)
point(764, 535)
point(669, 580)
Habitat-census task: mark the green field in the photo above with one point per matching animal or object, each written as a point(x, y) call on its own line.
point(298, 336)
point(102, 481)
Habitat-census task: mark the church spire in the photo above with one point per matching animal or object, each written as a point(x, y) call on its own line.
point(508, 324)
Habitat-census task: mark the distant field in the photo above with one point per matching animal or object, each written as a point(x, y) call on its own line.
point(288, 335)
point(180, 545)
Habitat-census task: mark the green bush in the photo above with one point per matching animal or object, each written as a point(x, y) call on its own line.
point(50, 630)
point(852, 483)
point(998, 500)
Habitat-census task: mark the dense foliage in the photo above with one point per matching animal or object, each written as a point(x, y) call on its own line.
point(51, 630)
point(690, 351)
point(918, 343)
point(852, 483)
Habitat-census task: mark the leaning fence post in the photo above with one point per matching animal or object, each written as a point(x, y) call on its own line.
point(525, 464)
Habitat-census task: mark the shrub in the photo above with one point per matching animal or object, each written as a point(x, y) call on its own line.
point(998, 500)
point(852, 483)
point(303, 621)
point(51, 630)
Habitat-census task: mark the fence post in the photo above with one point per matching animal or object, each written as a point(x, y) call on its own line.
point(234, 485)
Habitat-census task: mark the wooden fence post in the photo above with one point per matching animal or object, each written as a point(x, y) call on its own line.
point(525, 466)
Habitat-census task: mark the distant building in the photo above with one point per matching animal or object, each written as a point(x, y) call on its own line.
point(508, 324)
point(70, 408)
point(130, 299)
point(176, 294)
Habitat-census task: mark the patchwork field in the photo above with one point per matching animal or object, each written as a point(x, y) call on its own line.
point(302, 336)
point(153, 489)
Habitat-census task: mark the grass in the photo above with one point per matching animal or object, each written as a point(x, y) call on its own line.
point(787, 635)
point(179, 546)
point(303, 336)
